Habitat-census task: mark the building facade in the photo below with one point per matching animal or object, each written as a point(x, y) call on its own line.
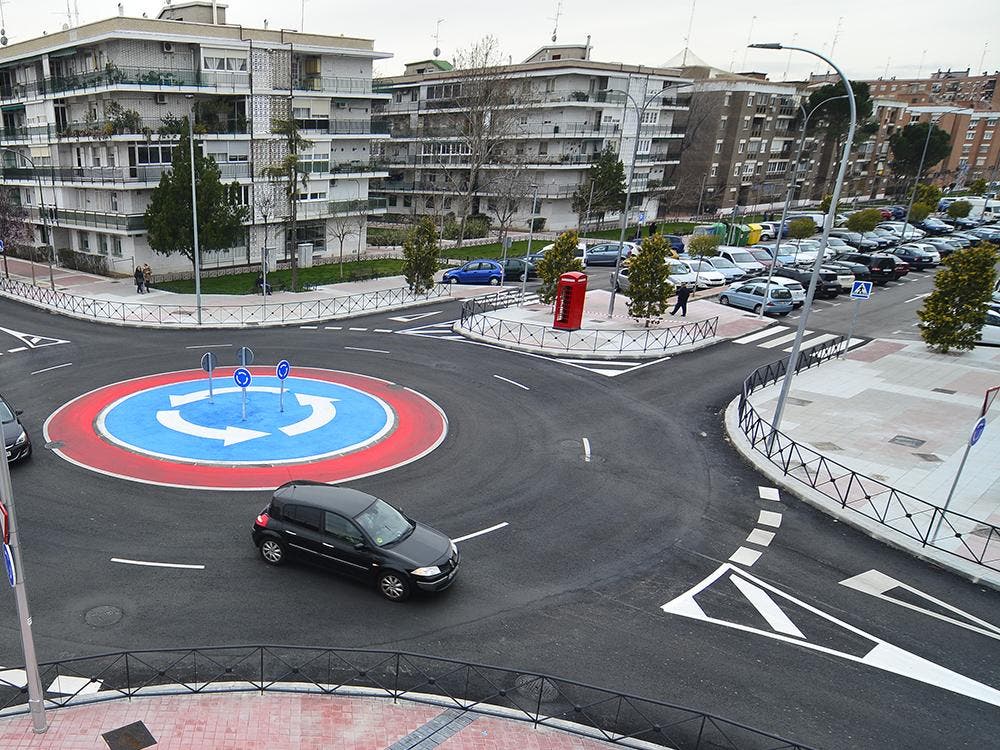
point(559, 111)
point(93, 113)
point(957, 88)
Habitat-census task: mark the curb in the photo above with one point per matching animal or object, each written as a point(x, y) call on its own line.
point(951, 563)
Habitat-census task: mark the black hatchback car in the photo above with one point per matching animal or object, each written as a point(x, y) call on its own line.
point(881, 267)
point(356, 534)
point(826, 285)
point(15, 437)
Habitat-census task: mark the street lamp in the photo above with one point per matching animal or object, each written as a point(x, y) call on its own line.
point(931, 111)
point(791, 186)
point(531, 234)
point(194, 215)
point(639, 113)
point(41, 210)
point(793, 357)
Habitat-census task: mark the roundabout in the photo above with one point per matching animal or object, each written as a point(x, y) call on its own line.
point(171, 429)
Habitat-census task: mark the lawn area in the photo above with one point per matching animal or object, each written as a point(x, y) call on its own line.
point(243, 283)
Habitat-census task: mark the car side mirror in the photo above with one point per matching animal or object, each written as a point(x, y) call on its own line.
point(19, 412)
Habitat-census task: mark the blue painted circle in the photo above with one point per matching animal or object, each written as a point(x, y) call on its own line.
point(8, 563)
point(978, 430)
point(178, 422)
point(242, 377)
point(282, 369)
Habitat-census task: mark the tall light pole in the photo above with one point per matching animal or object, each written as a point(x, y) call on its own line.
point(793, 357)
point(531, 234)
point(640, 111)
point(931, 111)
point(792, 182)
point(194, 215)
point(41, 210)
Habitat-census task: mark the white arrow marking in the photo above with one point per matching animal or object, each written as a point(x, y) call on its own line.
point(415, 316)
point(172, 420)
point(883, 655)
point(33, 341)
point(190, 398)
point(323, 412)
point(875, 583)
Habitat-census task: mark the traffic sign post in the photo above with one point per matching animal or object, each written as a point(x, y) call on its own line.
point(244, 357)
point(243, 378)
point(977, 432)
point(282, 371)
point(208, 364)
point(860, 290)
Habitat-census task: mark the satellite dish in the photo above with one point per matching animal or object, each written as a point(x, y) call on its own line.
point(3, 40)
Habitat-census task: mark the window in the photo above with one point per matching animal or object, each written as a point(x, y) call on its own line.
point(715, 171)
point(153, 154)
point(444, 91)
point(645, 144)
point(749, 100)
point(742, 146)
point(650, 118)
point(342, 529)
point(725, 102)
point(748, 168)
point(116, 246)
point(736, 169)
point(543, 148)
point(992, 123)
point(315, 163)
point(114, 201)
point(224, 64)
point(84, 242)
point(102, 244)
point(988, 135)
point(970, 135)
point(981, 161)
point(303, 515)
point(718, 147)
point(746, 122)
point(319, 195)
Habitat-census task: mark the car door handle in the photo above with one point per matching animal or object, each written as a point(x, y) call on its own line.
point(290, 532)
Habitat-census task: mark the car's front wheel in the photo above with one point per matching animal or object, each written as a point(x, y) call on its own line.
point(272, 551)
point(452, 279)
point(494, 280)
point(723, 300)
point(394, 586)
point(523, 277)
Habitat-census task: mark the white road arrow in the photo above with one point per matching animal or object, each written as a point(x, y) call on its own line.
point(172, 420)
point(415, 316)
point(190, 398)
point(323, 412)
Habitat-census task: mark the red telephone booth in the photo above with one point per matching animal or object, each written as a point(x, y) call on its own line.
point(570, 292)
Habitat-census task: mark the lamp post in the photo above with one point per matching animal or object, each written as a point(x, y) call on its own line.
point(194, 215)
point(531, 234)
point(639, 113)
point(791, 186)
point(923, 156)
point(827, 226)
point(41, 210)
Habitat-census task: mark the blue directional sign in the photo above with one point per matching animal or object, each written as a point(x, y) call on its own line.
point(861, 290)
point(242, 377)
point(8, 563)
point(1, 247)
point(977, 431)
point(282, 369)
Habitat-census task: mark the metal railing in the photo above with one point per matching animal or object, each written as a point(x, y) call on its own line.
point(530, 697)
point(256, 314)
point(475, 320)
point(333, 83)
point(128, 174)
point(968, 538)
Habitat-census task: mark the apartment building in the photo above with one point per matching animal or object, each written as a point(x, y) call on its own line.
point(945, 87)
point(561, 110)
point(93, 114)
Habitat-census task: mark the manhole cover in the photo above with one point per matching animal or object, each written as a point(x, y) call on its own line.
point(131, 737)
point(54, 444)
point(909, 442)
point(103, 616)
point(928, 457)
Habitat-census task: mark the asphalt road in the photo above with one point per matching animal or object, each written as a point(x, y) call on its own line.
point(572, 586)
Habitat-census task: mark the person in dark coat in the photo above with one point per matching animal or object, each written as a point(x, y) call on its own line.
point(139, 279)
point(683, 293)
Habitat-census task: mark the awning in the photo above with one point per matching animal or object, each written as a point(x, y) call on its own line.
point(11, 107)
point(63, 53)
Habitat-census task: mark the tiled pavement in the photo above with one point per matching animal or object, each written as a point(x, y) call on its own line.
point(250, 721)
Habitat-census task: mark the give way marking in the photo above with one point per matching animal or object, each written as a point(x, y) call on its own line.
point(789, 619)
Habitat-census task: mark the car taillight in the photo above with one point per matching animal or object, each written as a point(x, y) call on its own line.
point(262, 520)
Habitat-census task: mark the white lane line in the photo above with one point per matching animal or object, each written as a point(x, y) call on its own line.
point(760, 537)
point(383, 330)
point(208, 346)
point(782, 340)
point(836, 304)
point(745, 556)
point(586, 450)
point(333, 328)
point(156, 564)
point(768, 493)
point(512, 382)
point(813, 341)
point(914, 299)
point(895, 332)
point(54, 367)
point(767, 518)
point(764, 604)
point(308, 328)
point(632, 369)
point(362, 349)
point(480, 533)
point(769, 331)
point(17, 349)
point(357, 329)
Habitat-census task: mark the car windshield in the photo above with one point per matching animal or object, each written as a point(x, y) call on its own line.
point(678, 269)
point(722, 263)
point(383, 523)
point(743, 258)
point(5, 415)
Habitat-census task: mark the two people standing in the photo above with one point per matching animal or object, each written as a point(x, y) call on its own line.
point(143, 278)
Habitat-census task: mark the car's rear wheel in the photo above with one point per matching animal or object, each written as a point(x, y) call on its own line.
point(272, 551)
point(757, 309)
point(394, 586)
point(523, 277)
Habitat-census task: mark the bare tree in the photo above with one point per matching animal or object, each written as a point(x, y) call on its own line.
point(266, 203)
point(700, 126)
point(510, 186)
point(292, 170)
point(342, 226)
point(14, 228)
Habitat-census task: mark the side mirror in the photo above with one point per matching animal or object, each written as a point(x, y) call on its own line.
point(19, 412)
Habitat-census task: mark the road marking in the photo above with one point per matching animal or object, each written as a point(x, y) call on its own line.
point(882, 655)
point(362, 349)
point(17, 349)
point(323, 412)
point(895, 332)
point(54, 367)
point(914, 299)
point(745, 556)
point(767, 518)
point(208, 346)
point(875, 583)
point(586, 450)
point(754, 336)
point(383, 330)
point(189, 398)
point(782, 339)
point(836, 304)
point(34, 341)
point(333, 328)
point(512, 382)
point(357, 329)
point(764, 604)
point(768, 493)
point(813, 341)
point(309, 328)
point(229, 435)
point(147, 564)
point(760, 537)
point(415, 316)
point(480, 533)
point(71, 685)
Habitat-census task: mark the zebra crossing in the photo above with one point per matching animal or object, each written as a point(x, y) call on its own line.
point(779, 337)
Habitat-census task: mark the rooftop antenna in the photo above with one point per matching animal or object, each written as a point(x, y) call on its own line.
point(687, 39)
point(555, 28)
point(836, 36)
point(753, 20)
point(437, 38)
point(302, 17)
point(3, 25)
point(982, 57)
point(920, 68)
point(788, 62)
point(888, 62)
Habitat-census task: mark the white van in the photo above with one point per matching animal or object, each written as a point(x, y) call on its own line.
point(986, 209)
point(817, 218)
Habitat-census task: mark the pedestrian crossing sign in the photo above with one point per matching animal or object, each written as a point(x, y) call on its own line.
point(861, 290)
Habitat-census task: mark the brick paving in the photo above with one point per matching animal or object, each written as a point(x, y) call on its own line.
point(250, 721)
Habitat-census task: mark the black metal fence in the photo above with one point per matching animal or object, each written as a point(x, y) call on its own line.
point(540, 700)
point(948, 531)
point(475, 320)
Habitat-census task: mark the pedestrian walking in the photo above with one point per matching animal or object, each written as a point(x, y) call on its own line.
point(140, 279)
point(652, 228)
point(147, 276)
point(683, 293)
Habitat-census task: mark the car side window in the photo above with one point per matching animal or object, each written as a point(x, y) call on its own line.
point(757, 291)
point(341, 528)
point(303, 515)
point(745, 289)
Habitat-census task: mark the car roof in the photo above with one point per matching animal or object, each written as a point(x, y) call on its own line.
point(340, 499)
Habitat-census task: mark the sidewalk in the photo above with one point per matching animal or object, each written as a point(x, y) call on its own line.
point(250, 721)
point(901, 414)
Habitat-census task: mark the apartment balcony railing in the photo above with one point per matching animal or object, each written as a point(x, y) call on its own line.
point(420, 186)
point(344, 127)
point(461, 161)
point(338, 84)
point(145, 126)
point(99, 219)
point(545, 97)
point(148, 173)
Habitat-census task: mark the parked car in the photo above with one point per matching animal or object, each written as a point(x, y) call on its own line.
point(785, 253)
point(707, 276)
point(837, 245)
point(989, 335)
point(898, 212)
point(680, 275)
point(901, 267)
point(606, 254)
point(739, 255)
point(858, 271)
point(972, 239)
point(676, 242)
point(902, 232)
point(481, 271)
point(769, 230)
point(15, 437)
point(883, 238)
point(826, 284)
point(513, 269)
point(763, 255)
point(795, 287)
point(356, 534)
point(935, 226)
point(580, 252)
point(727, 268)
point(943, 245)
point(916, 257)
point(986, 233)
point(881, 267)
point(855, 239)
point(755, 295)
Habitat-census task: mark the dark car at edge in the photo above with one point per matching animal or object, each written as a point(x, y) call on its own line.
point(15, 437)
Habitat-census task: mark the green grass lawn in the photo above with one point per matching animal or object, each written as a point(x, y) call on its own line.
point(243, 283)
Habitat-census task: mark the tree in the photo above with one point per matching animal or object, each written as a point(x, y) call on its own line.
point(699, 247)
point(14, 228)
point(835, 117)
point(907, 147)
point(291, 170)
point(510, 187)
point(824, 205)
point(929, 194)
point(919, 212)
point(800, 229)
point(959, 209)
point(864, 220)
point(168, 217)
point(955, 311)
point(340, 227)
point(266, 203)
point(420, 256)
point(607, 178)
point(977, 187)
point(649, 287)
point(560, 259)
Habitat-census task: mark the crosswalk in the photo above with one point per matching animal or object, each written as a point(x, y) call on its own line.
point(781, 337)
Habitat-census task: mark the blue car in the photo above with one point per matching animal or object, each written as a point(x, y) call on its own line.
point(475, 272)
point(675, 242)
point(751, 296)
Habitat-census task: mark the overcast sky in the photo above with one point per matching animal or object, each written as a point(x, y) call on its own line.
point(906, 36)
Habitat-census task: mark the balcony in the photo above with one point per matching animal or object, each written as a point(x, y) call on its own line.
point(141, 174)
point(329, 84)
point(97, 219)
point(326, 126)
